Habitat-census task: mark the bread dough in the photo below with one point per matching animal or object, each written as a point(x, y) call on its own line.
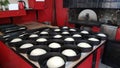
point(93, 39)
point(16, 40)
point(57, 30)
point(69, 52)
point(69, 39)
point(33, 35)
point(102, 35)
point(77, 35)
point(85, 32)
point(65, 32)
point(54, 45)
point(26, 45)
point(72, 29)
point(44, 32)
point(57, 36)
point(41, 40)
point(38, 51)
point(84, 45)
point(55, 62)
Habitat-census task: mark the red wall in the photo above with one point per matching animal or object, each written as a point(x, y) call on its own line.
point(4, 20)
point(62, 14)
point(47, 13)
point(30, 16)
point(44, 15)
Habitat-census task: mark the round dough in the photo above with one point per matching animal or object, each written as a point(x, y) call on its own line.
point(55, 62)
point(69, 39)
point(65, 32)
point(72, 29)
point(77, 35)
point(38, 51)
point(85, 32)
point(54, 45)
point(65, 27)
point(33, 35)
point(16, 40)
point(57, 36)
point(26, 45)
point(84, 45)
point(93, 39)
point(102, 35)
point(41, 40)
point(44, 32)
point(57, 30)
point(69, 52)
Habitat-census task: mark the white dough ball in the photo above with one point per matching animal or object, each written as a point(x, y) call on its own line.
point(33, 35)
point(65, 27)
point(54, 45)
point(102, 35)
point(27, 45)
point(55, 62)
point(57, 36)
point(41, 40)
point(38, 51)
point(44, 32)
point(93, 39)
point(57, 30)
point(69, 52)
point(65, 32)
point(77, 35)
point(72, 29)
point(85, 32)
point(16, 40)
point(69, 39)
point(84, 45)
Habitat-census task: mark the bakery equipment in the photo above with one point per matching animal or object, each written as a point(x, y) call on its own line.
point(87, 14)
point(25, 53)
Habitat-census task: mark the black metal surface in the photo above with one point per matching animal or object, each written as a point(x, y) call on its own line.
point(111, 55)
point(91, 4)
point(94, 59)
point(86, 23)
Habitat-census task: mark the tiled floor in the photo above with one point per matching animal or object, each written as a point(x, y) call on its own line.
point(104, 66)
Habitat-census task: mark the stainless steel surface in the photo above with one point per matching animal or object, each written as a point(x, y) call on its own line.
point(91, 15)
point(109, 30)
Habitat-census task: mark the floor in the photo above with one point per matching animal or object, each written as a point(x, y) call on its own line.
point(104, 66)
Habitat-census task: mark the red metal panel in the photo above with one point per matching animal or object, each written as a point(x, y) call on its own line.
point(95, 29)
point(12, 13)
point(4, 20)
point(99, 54)
point(62, 14)
point(36, 4)
point(30, 16)
point(8, 59)
point(118, 34)
point(87, 62)
point(47, 13)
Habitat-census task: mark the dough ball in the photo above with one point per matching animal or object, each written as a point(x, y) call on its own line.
point(57, 36)
point(69, 52)
point(41, 40)
point(93, 39)
point(27, 45)
point(38, 51)
point(77, 35)
point(54, 45)
point(16, 40)
point(69, 39)
point(55, 62)
point(84, 45)
point(84, 32)
point(33, 35)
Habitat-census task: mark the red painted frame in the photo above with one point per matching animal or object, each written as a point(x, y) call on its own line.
point(8, 59)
